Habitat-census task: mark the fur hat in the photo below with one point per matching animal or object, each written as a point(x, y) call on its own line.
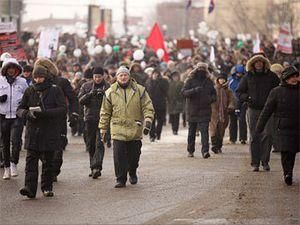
point(123, 69)
point(48, 65)
point(276, 68)
point(288, 72)
point(10, 62)
point(40, 71)
point(254, 59)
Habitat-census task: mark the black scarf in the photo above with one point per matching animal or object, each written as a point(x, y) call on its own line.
point(42, 86)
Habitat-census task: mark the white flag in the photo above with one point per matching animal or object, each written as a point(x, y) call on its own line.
point(285, 39)
point(212, 54)
point(48, 42)
point(256, 47)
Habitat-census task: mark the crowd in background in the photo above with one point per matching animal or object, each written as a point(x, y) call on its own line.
point(207, 94)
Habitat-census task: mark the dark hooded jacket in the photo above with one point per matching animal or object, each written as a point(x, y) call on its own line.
point(91, 100)
point(255, 87)
point(140, 77)
point(43, 133)
point(283, 102)
point(200, 93)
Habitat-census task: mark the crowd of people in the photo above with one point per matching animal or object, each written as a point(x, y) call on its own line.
point(112, 99)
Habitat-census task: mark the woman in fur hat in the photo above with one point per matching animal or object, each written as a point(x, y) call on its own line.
point(73, 108)
point(43, 106)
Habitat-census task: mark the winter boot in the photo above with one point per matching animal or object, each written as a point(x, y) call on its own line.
point(6, 175)
point(13, 169)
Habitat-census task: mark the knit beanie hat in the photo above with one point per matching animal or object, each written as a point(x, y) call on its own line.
point(123, 69)
point(98, 70)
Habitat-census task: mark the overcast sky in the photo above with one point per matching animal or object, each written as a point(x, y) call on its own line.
point(37, 9)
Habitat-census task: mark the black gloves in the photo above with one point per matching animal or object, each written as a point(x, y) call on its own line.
point(97, 93)
point(3, 98)
point(73, 119)
point(147, 128)
point(33, 112)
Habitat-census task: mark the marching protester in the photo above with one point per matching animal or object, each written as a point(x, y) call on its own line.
point(157, 87)
point(200, 93)
point(127, 109)
point(12, 88)
point(220, 113)
point(91, 96)
point(238, 124)
point(44, 107)
point(138, 74)
point(72, 104)
point(283, 103)
point(27, 74)
point(254, 89)
point(175, 101)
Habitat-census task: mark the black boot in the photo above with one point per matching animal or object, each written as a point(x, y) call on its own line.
point(26, 192)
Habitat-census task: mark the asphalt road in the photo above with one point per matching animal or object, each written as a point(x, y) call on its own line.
point(172, 189)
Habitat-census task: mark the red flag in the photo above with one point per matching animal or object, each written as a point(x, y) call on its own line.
point(156, 41)
point(100, 31)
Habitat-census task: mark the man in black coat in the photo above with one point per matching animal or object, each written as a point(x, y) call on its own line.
point(91, 96)
point(283, 102)
point(200, 93)
point(43, 106)
point(157, 87)
point(254, 89)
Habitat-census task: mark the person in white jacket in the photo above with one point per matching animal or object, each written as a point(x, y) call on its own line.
point(12, 88)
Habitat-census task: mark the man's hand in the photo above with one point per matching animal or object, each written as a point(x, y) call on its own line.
point(3, 98)
point(147, 128)
point(99, 93)
point(102, 134)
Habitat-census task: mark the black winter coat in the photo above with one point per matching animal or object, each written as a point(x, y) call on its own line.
point(283, 102)
point(254, 88)
point(43, 133)
point(198, 102)
point(158, 92)
point(90, 100)
point(69, 94)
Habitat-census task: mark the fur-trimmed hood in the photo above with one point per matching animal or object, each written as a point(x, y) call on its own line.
point(10, 62)
point(48, 65)
point(255, 58)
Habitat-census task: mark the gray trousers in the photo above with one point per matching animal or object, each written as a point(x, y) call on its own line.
point(260, 144)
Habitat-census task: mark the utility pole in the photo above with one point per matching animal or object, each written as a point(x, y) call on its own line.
point(125, 22)
point(9, 10)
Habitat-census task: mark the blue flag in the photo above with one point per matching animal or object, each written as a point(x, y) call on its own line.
point(211, 6)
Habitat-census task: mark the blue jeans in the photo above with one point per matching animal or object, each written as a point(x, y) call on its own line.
point(203, 127)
